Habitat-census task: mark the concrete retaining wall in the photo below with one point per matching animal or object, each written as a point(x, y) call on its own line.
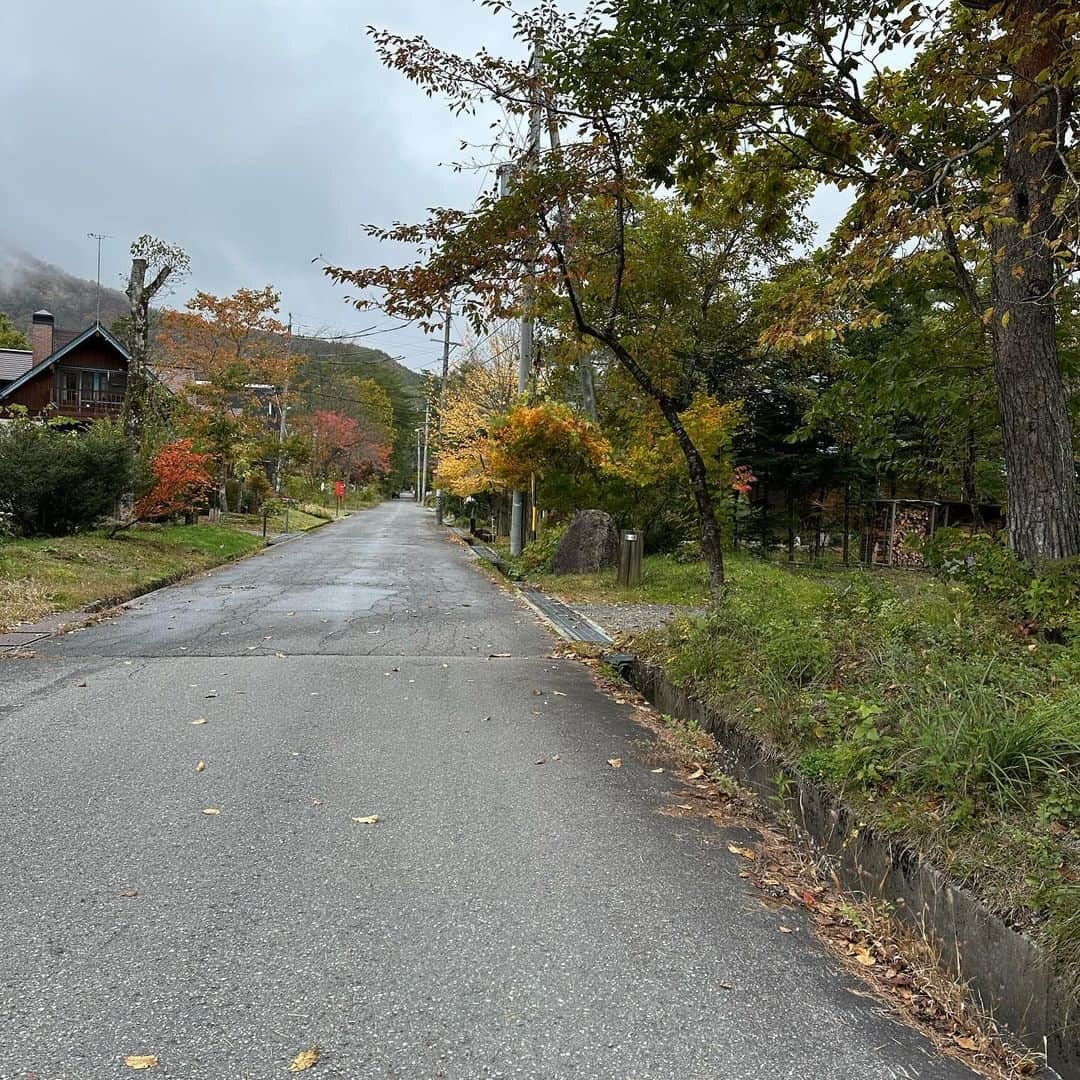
point(1009, 974)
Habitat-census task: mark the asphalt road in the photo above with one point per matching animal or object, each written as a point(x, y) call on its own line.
point(503, 919)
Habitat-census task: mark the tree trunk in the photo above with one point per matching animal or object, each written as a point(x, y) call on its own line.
point(1043, 508)
point(711, 548)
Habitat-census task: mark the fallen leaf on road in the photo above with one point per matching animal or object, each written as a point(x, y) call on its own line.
point(280, 654)
point(725, 985)
point(201, 720)
point(213, 811)
point(140, 1061)
point(558, 693)
point(745, 852)
point(305, 1059)
point(200, 767)
point(540, 761)
point(785, 929)
point(697, 774)
point(658, 770)
point(213, 693)
point(498, 655)
point(371, 819)
point(615, 762)
point(127, 894)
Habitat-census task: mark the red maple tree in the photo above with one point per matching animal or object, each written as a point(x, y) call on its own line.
point(183, 482)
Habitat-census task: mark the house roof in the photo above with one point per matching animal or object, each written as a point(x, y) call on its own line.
point(91, 331)
point(14, 362)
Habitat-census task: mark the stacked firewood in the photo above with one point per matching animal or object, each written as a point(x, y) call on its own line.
point(912, 524)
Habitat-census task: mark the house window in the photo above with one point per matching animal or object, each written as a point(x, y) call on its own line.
point(85, 388)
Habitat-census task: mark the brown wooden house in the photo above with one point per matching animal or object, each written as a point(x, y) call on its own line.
point(82, 376)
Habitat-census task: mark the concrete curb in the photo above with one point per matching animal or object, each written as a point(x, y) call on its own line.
point(1008, 974)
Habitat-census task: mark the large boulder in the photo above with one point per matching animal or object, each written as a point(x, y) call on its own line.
point(590, 544)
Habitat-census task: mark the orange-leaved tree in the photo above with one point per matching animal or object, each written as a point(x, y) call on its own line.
point(182, 483)
point(229, 359)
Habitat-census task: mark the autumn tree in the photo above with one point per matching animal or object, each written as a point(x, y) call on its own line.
point(480, 391)
point(182, 483)
point(575, 213)
point(964, 157)
point(154, 264)
point(229, 359)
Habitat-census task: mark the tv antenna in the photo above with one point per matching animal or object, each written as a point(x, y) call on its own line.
point(98, 237)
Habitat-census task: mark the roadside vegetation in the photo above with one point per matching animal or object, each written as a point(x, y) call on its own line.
point(42, 575)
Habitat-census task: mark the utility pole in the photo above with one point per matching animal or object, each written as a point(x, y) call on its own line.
point(442, 401)
point(282, 431)
point(427, 440)
point(528, 301)
point(98, 237)
point(417, 496)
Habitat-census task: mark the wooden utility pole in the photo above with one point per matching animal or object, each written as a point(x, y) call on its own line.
point(427, 440)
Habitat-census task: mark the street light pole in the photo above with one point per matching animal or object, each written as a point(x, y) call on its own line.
point(427, 441)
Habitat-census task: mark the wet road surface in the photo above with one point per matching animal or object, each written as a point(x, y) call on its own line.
point(503, 919)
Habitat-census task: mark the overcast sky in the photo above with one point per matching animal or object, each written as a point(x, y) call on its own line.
point(256, 134)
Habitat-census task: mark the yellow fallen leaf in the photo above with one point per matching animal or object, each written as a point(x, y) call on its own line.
point(371, 819)
point(140, 1061)
point(697, 774)
point(305, 1059)
point(785, 929)
point(864, 956)
point(966, 1042)
point(213, 810)
point(745, 852)
point(201, 720)
point(200, 766)
point(129, 893)
point(615, 762)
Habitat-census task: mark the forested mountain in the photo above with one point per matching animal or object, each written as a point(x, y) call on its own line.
point(28, 284)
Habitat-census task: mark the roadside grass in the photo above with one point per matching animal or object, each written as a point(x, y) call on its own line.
point(946, 724)
point(300, 520)
point(42, 575)
point(664, 579)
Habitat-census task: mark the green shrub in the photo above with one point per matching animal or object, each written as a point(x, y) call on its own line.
point(55, 479)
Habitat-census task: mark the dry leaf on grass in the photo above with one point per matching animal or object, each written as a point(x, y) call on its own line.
point(370, 819)
point(615, 762)
point(212, 810)
point(305, 1059)
point(744, 852)
point(863, 956)
point(141, 1061)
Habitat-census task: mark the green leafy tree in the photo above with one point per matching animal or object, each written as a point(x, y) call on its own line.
point(10, 337)
point(965, 157)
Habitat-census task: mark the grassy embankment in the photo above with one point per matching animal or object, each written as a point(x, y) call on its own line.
point(42, 575)
point(944, 718)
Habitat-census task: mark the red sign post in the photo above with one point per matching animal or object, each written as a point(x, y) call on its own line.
point(339, 492)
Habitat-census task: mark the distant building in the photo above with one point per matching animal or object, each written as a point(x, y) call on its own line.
point(81, 375)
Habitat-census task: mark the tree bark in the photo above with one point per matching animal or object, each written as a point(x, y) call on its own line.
point(1043, 508)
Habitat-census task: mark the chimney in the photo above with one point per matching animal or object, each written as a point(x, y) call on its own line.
point(41, 335)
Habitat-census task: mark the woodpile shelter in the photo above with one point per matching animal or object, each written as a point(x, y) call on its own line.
point(899, 528)
point(81, 375)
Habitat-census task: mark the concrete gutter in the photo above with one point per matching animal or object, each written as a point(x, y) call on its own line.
point(1007, 974)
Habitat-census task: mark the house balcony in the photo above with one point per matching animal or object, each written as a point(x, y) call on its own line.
point(90, 404)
